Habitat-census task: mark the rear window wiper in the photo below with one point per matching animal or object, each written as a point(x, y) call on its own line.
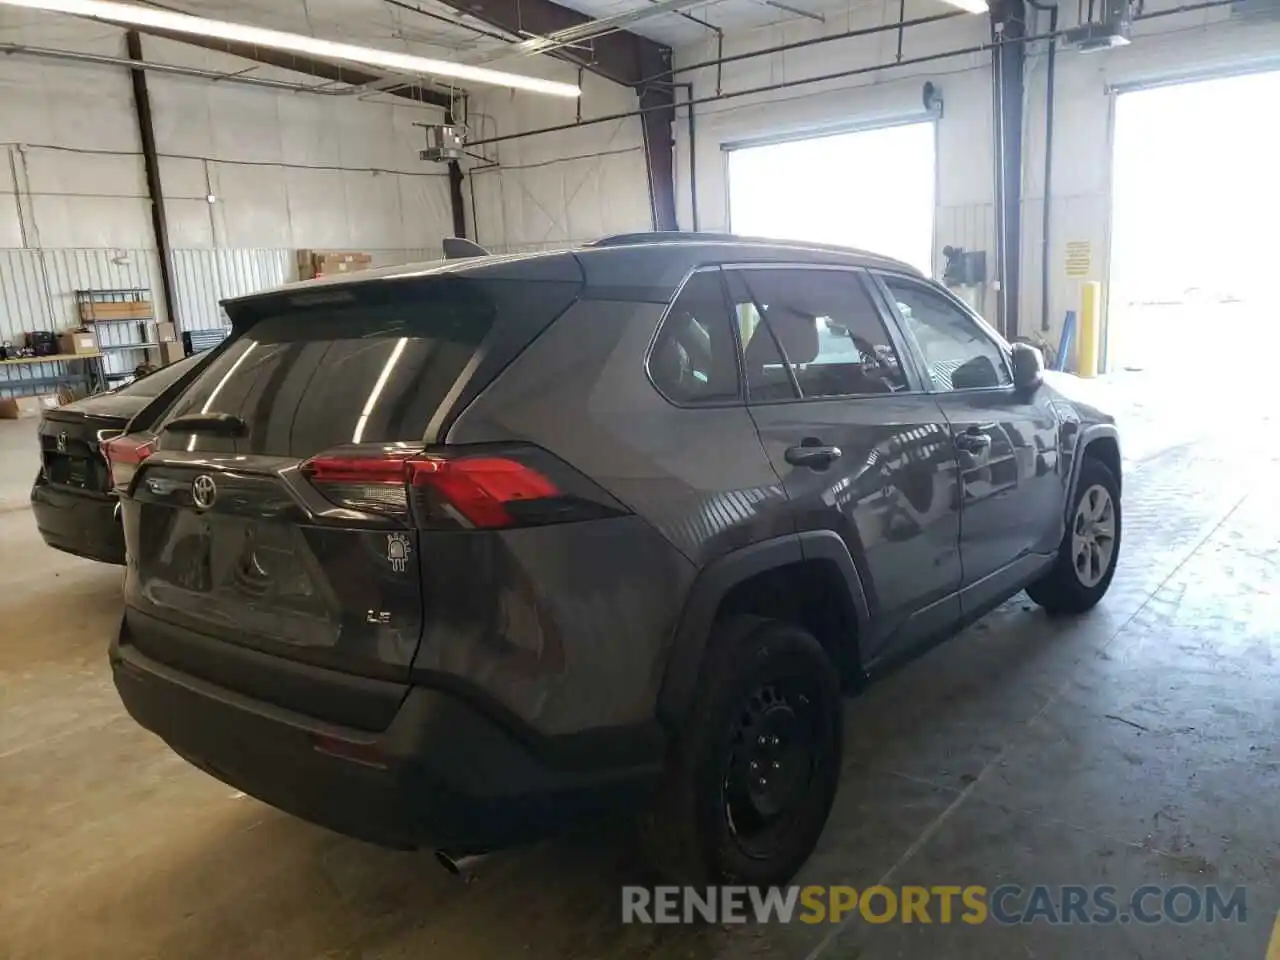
point(219, 424)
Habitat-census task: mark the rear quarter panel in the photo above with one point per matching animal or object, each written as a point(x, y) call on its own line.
point(697, 480)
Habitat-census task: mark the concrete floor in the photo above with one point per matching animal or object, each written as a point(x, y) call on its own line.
point(1134, 745)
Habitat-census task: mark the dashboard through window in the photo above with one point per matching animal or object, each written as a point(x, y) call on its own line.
point(958, 352)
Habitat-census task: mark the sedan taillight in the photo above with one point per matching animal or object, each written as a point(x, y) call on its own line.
point(124, 455)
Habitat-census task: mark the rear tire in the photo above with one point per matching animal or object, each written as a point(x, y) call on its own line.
point(1090, 545)
point(749, 784)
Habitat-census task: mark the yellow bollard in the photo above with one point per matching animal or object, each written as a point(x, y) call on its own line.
point(1088, 335)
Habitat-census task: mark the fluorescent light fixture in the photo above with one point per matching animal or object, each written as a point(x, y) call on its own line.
point(968, 6)
point(294, 42)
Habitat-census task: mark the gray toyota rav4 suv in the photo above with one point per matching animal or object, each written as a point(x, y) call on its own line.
point(454, 555)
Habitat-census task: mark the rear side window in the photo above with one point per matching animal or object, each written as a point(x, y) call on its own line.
point(826, 324)
point(360, 370)
point(694, 356)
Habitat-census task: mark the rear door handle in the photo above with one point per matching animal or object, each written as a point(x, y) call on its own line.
point(812, 453)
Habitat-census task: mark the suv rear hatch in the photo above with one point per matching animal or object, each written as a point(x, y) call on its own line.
point(283, 504)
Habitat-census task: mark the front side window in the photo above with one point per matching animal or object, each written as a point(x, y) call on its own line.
point(824, 321)
point(694, 357)
point(957, 351)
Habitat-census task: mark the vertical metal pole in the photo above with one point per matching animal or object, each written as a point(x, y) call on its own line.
point(457, 205)
point(693, 157)
point(1009, 23)
point(151, 166)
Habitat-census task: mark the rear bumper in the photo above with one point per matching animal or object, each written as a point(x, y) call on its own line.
point(442, 775)
point(84, 524)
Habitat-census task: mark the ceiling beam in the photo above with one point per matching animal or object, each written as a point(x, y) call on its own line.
point(321, 69)
point(618, 55)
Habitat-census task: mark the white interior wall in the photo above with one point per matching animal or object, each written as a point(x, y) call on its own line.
point(287, 171)
point(556, 189)
point(965, 189)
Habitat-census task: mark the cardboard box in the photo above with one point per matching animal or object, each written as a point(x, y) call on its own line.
point(78, 342)
point(93, 312)
point(20, 408)
point(313, 263)
point(171, 350)
point(166, 332)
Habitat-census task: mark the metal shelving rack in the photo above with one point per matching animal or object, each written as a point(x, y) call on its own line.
point(124, 341)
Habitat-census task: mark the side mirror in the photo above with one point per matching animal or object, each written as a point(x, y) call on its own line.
point(1028, 366)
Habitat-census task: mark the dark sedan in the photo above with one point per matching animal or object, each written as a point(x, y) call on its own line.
point(72, 499)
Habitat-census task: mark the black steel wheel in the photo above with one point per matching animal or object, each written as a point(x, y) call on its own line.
point(750, 783)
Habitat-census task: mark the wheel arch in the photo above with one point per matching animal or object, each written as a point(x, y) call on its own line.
point(1102, 441)
point(814, 564)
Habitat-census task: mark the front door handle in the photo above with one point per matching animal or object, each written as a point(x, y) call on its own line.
point(972, 440)
point(812, 452)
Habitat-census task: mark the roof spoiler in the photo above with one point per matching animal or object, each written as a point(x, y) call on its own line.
point(460, 248)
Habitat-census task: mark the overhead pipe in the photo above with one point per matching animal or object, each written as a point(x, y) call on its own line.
point(77, 56)
point(749, 91)
point(823, 78)
point(720, 60)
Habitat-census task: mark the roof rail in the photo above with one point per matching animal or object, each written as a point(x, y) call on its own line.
point(682, 236)
point(662, 236)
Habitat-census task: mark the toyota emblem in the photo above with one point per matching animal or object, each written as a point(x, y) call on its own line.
point(62, 442)
point(204, 491)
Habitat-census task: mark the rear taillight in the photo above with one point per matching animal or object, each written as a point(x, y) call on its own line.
point(484, 490)
point(489, 491)
point(124, 456)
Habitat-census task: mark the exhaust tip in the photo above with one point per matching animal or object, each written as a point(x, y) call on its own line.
point(445, 859)
point(461, 865)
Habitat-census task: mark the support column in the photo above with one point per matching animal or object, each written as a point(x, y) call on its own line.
point(658, 100)
point(151, 166)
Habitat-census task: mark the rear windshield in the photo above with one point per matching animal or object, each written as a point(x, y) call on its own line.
point(347, 372)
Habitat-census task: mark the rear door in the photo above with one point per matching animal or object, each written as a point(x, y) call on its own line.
point(230, 533)
point(1005, 441)
point(860, 448)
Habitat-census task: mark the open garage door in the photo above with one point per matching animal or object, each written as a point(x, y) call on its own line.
point(871, 188)
point(1195, 199)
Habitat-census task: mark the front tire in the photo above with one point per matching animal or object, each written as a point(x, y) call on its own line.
point(1090, 545)
point(749, 784)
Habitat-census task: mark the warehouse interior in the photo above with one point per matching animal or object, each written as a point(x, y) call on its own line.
point(1115, 165)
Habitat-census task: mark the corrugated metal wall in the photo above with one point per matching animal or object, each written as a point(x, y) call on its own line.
point(37, 292)
point(37, 287)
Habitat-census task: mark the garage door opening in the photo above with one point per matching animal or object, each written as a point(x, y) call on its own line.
point(872, 189)
point(1195, 197)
